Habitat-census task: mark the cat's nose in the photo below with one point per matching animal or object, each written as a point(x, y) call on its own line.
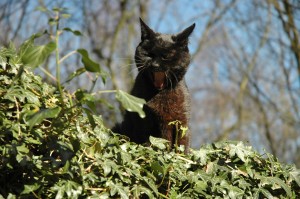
point(155, 64)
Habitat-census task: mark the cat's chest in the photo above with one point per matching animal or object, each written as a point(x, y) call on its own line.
point(168, 104)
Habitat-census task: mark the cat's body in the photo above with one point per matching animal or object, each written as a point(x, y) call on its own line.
point(162, 61)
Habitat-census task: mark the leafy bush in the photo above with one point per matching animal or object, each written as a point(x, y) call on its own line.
point(54, 147)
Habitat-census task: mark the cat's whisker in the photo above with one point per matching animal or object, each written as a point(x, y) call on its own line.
point(135, 68)
point(174, 76)
point(124, 58)
point(126, 66)
point(169, 80)
point(132, 66)
point(143, 68)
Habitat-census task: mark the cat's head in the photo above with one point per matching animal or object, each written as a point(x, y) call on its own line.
point(164, 58)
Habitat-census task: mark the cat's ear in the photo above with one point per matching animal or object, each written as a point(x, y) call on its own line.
point(183, 37)
point(146, 32)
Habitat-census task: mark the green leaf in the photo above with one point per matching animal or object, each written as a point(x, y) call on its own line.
point(21, 94)
point(296, 176)
point(30, 188)
point(36, 55)
point(117, 188)
point(72, 189)
point(240, 150)
point(266, 193)
point(38, 117)
point(157, 168)
point(66, 15)
point(75, 32)
point(281, 183)
point(90, 117)
point(138, 190)
point(29, 43)
point(52, 22)
point(131, 103)
point(11, 196)
point(158, 142)
point(88, 63)
point(22, 149)
point(75, 74)
point(201, 155)
point(42, 9)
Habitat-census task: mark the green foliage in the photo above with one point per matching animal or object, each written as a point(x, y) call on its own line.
point(131, 103)
point(52, 146)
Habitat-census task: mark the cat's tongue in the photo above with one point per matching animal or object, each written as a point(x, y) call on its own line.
point(159, 80)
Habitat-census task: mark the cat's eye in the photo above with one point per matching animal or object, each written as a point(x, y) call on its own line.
point(165, 57)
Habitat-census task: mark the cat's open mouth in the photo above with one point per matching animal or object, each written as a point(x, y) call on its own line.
point(159, 80)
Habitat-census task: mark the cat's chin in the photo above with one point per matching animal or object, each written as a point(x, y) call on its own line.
point(159, 79)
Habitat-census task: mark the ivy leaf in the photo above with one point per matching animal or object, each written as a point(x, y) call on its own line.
point(72, 189)
point(158, 142)
point(265, 192)
point(22, 148)
point(75, 32)
point(88, 63)
point(131, 103)
point(157, 168)
point(201, 155)
point(29, 43)
point(296, 176)
point(30, 188)
point(38, 117)
point(240, 150)
point(138, 190)
point(275, 180)
point(42, 9)
point(116, 188)
point(36, 55)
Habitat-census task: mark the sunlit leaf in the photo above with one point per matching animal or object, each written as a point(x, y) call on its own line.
point(38, 117)
point(66, 15)
point(88, 63)
point(36, 55)
point(157, 168)
point(75, 32)
point(117, 188)
point(52, 21)
point(75, 74)
point(275, 180)
point(22, 148)
point(158, 142)
point(30, 188)
point(42, 9)
point(29, 43)
point(131, 103)
point(73, 189)
point(296, 176)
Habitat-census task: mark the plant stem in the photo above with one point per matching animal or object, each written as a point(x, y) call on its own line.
point(106, 91)
point(58, 62)
point(176, 137)
point(47, 73)
point(67, 55)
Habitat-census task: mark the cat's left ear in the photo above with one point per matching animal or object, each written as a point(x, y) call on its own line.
point(183, 37)
point(146, 32)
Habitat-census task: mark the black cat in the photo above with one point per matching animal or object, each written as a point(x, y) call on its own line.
point(162, 61)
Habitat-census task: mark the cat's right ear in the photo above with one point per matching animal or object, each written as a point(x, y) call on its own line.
point(146, 32)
